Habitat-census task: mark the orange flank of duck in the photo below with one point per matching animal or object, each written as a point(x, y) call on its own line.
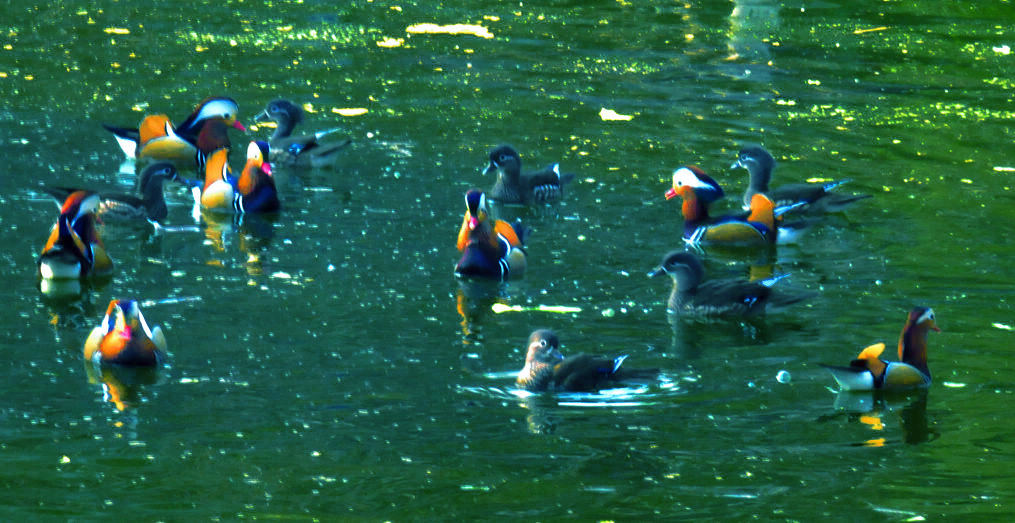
point(763, 212)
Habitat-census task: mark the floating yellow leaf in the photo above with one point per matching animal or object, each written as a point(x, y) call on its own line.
point(391, 42)
point(117, 30)
point(454, 29)
point(610, 115)
point(350, 111)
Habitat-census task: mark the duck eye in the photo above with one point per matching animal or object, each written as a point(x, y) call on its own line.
point(502, 158)
point(542, 343)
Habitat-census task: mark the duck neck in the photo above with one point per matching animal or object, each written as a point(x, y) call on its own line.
point(284, 129)
point(694, 209)
point(151, 188)
point(913, 347)
point(760, 176)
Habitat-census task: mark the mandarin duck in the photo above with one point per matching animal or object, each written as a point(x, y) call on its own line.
point(124, 338)
point(253, 191)
point(546, 368)
point(150, 206)
point(869, 372)
point(74, 249)
point(301, 151)
point(490, 248)
point(157, 139)
point(812, 196)
point(692, 294)
point(697, 191)
point(513, 187)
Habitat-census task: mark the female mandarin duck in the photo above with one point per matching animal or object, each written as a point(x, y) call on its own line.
point(869, 372)
point(490, 248)
point(254, 191)
point(697, 190)
point(692, 295)
point(156, 138)
point(124, 338)
point(74, 249)
point(150, 206)
point(302, 151)
point(544, 186)
point(546, 369)
point(813, 197)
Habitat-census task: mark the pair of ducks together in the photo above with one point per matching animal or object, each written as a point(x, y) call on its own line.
point(765, 205)
point(493, 248)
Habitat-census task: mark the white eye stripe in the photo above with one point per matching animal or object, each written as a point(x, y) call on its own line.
point(685, 176)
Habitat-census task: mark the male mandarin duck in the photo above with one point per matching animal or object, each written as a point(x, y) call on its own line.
point(869, 372)
point(254, 191)
point(543, 186)
point(302, 151)
point(150, 206)
point(124, 338)
point(692, 295)
point(546, 368)
point(74, 249)
point(813, 197)
point(490, 248)
point(157, 139)
point(697, 190)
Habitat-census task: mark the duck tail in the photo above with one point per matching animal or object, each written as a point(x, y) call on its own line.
point(625, 374)
point(123, 132)
point(838, 202)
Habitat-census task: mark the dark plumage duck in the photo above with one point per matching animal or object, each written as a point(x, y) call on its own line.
point(697, 190)
point(544, 186)
point(124, 338)
point(812, 196)
point(692, 294)
point(546, 368)
point(74, 249)
point(253, 191)
point(157, 139)
point(869, 372)
point(302, 151)
point(490, 248)
point(151, 205)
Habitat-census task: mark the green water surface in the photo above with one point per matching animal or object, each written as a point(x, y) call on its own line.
point(327, 365)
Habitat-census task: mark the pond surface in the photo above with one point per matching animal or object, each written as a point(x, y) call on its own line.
point(321, 366)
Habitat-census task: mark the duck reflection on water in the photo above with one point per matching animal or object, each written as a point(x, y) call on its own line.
point(879, 410)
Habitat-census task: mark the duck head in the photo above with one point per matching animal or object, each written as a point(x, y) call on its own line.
point(685, 268)
point(504, 159)
point(759, 163)
point(476, 209)
point(215, 107)
point(284, 113)
point(690, 180)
